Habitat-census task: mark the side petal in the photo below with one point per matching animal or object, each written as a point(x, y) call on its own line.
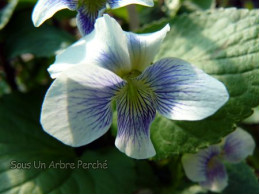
point(183, 92)
point(238, 145)
point(105, 46)
point(120, 3)
point(135, 113)
point(45, 9)
point(77, 107)
point(196, 165)
point(143, 47)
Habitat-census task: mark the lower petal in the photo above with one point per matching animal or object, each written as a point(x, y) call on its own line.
point(183, 92)
point(238, 145)
point(45, 9)
point(77, 107)
point(217, 178)
point(135, 113)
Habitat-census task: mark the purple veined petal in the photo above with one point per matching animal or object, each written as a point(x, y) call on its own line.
point(120, 3)
point(110, 48)
point(77, 107)
point(105, 46)
point(86, 21)
point(183, 92)
point(45, 9)
point(238, 145)
point(217, 178)
point(143, 47)
point(205, 167)
point(135, 113)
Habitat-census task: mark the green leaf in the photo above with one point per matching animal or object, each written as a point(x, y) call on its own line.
point(241, 180)
point(224, 43)
point(44, 41)
point(199, 4)
point(6, 12)
point(23, 143)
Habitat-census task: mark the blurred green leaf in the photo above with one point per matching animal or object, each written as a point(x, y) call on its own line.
point(254, 118)
point(22, 141)
point(224, 43)
point(241, 180)
point(173, 6)
point(22, 37)
point(196, 5)
point(6, 12)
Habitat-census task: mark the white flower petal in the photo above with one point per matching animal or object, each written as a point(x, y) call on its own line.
point(77, 107)
point(105, 46)
point(195, 165)
point(45, 9)
point(70, 57)
point(135, 113)
point(143, 47)
point(238, 145)
point(113, 53)
point(183, 92)
point(120, 3)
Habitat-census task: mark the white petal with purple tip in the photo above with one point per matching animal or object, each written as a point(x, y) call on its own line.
point(238, 145)
point(143, 47)
point(183, 92)
point(77, 107)
point(120, 3)
point(45, 9)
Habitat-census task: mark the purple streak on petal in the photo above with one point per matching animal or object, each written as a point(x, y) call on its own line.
point(112, 61)
point(94, 102)
point(216, 175)
point(86, 21)
point(238, 145)
point(183, 92)
point(135, 114)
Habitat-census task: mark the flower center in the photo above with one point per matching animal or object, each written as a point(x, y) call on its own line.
point(131, 75)
point(136, 91)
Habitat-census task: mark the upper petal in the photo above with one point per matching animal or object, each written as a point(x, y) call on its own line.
point(77, 107)
point(135, 112)
point(45, 9)
point(143, 47)
point(105, 46)
point(120, 3)
point(183, 92)
point(238, 145)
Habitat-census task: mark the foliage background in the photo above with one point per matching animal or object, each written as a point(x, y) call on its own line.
point(223, 42)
